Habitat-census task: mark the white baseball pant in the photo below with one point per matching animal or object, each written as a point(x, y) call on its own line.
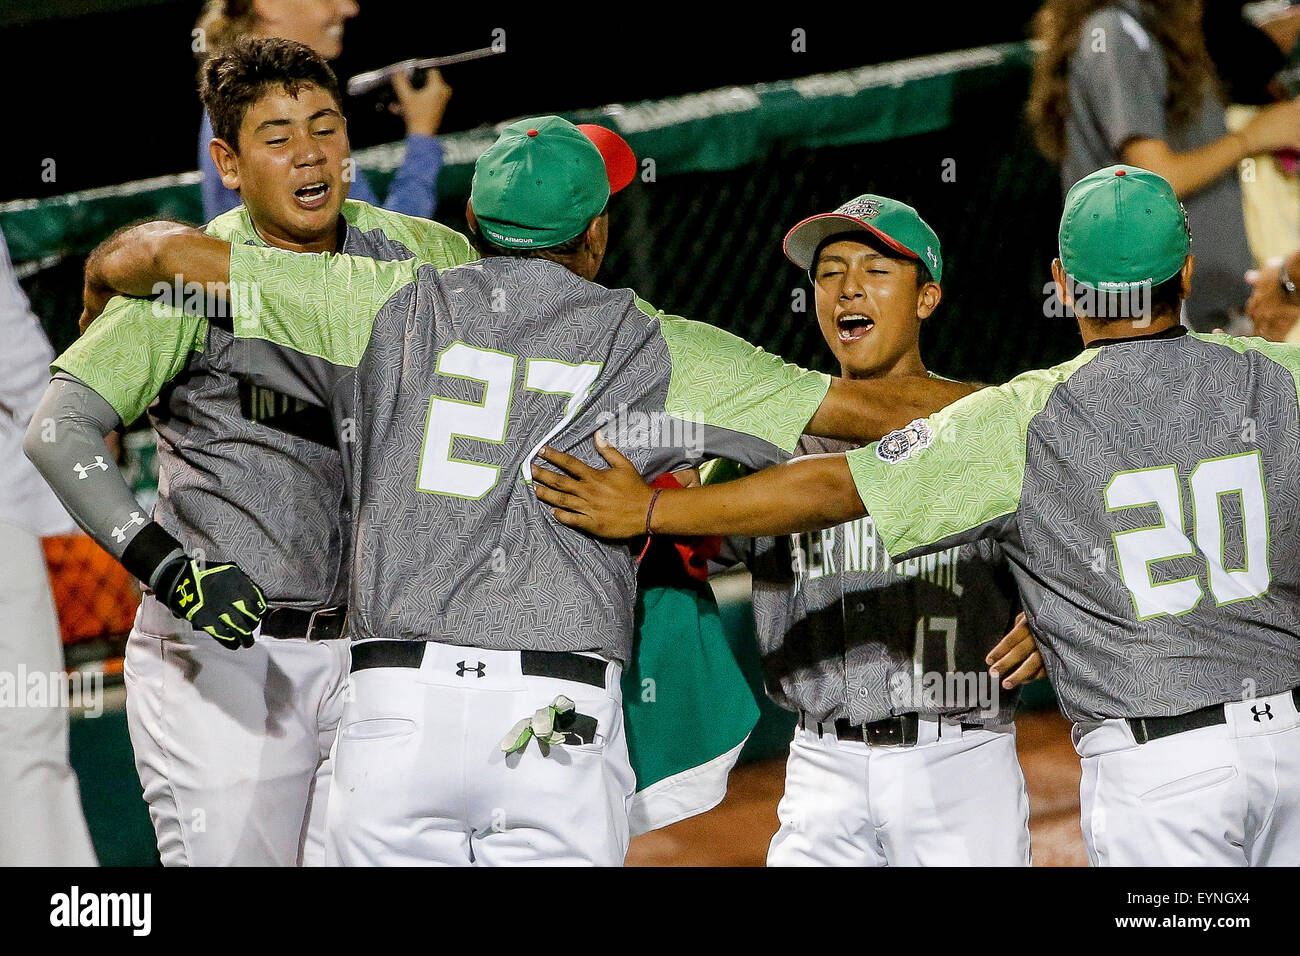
point(1224, 795)
point(955, 798)
point(41, 820)
point(233, 746)
point(420, 776)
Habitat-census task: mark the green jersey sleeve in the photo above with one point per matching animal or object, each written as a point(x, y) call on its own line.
point(318, 304)
point(956, 476)
point(1285, 354)
point(132, 350)
point(721, 380)
point(427, 240)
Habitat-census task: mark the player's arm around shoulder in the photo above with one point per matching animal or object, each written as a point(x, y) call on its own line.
point(808, 494)
point(951, 477)
point(721, 379)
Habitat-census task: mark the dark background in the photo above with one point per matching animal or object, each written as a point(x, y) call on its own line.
point(110, 95)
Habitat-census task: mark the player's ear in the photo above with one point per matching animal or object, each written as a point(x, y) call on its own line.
point(1189, 265)
point(928, 299)
point(1059, 280)
point(226, 161)
point(470, 218)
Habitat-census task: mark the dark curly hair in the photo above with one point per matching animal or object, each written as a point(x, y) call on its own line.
point(1176, 27)
point(234, 79)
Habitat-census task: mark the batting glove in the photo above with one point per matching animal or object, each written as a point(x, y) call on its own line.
point(220, 600)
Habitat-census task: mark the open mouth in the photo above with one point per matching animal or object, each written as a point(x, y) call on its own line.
point(853, 327)
point(312, 196)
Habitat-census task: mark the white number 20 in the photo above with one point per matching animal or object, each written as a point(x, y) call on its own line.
point(441, 473)
point(1137, 550)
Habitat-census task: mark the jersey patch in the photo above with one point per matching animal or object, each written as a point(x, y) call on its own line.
point(898, 445)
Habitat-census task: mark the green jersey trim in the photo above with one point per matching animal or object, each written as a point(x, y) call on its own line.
point(721, 380)
point(132, 350)
point(958, 470)
point(1281, 353)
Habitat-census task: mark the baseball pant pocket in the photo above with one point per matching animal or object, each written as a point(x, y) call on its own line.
point(378, 728)
point(1190, 784)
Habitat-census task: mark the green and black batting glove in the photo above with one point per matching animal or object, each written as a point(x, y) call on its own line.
point(220, 600)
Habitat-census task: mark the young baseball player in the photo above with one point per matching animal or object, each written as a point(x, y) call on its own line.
point(485, 721)
point(905, 750)
point(1147, 496)
point(232, 749)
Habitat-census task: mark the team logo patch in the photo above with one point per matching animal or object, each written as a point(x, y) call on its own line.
point(860, 208)
point(898, 445)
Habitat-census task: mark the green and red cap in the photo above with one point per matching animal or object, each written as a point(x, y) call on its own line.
point(1123, 227)
point(544, 180)
point(894, 223)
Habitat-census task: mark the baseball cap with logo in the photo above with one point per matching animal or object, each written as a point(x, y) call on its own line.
point(544, 179)
point(894, 223)
point(1123, 226)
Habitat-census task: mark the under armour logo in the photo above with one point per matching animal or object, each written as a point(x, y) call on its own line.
point(183, 589)
point(462, 670)
point(1266, 712)
point(83, 470)
point(119, 534)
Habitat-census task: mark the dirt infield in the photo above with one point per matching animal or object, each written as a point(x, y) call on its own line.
point(737, 832)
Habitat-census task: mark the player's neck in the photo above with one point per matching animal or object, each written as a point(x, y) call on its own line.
point(909, 363)
point(329, 241)
point(1093, 329)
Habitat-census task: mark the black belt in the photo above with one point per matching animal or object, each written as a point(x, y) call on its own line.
point(322, 624)
point(902, 730)
point(561, 665)
point(1146, 729)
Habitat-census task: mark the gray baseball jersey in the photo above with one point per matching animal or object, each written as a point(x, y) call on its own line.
point(843, 632)
point(246, 474)
point(1147, 494)
point(446, 385)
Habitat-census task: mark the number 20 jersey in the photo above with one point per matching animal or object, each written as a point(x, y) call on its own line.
point(1147, 495)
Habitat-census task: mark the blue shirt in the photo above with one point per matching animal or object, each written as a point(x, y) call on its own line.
point(413, 190)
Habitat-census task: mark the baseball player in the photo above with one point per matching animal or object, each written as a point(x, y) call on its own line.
point(484, 723)
point(905, 752)
point(1147, 496)
point(232, 749)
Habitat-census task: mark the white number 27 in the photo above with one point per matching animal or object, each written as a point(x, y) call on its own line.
point(441, 473)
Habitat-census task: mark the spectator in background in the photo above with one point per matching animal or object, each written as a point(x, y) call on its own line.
point(319, 24)
point(41, 820)
point(1130, 81)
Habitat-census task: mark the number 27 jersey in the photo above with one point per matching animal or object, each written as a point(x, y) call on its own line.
point(445, 385)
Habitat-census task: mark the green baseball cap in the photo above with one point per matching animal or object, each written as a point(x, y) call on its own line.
point(540, 184)
point(1122, 227)
point(894, 223)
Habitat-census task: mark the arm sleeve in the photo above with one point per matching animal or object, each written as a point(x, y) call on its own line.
point(739, 401)
point(954, 477)
point(131, 351)
point(65, 442)
point(414, 189)
point(216, 197)
point(1119, 70)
